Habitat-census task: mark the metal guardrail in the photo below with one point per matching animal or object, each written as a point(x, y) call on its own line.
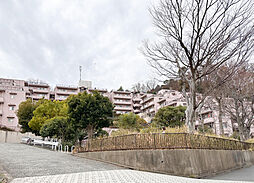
point(163, 141)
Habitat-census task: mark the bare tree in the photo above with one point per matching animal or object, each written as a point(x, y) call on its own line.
point(145, 87)
point(240, 102)
point(197, 37)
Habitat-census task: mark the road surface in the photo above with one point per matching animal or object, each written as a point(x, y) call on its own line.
point(21, 160)
point(244, 174)
point(28, 164)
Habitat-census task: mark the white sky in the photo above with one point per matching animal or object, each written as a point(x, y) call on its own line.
point(49, 39)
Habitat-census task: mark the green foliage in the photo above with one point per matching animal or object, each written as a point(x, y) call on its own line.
point(47, 110)
point(120, 89)
point(205, 130)
point(55, 127)
point(89, 112)
point(101, 133)
point(170, 116)
point(25, 114)
point(235, 135)
point(130, 121)
point(122, 132)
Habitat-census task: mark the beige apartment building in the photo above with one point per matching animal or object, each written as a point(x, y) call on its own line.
point(122, 101)
point(136, 102)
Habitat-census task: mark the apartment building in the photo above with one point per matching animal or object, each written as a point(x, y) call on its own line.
point(171, 98)
point(103, 92)
point(122, 101)
point(150, 106)
point(12, 93)
point(136, 102)
point(37, 90)
point(62, 92)
point(210, 118)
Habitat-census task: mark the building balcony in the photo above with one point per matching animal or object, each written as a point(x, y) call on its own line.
point(123, 108)
point(1, 99)
point(59, 92)
point(36, 97)
point(147, 106)
point(122, 97)
point(136, 105)
point(122, 102)
point(137, 111)
point(152, 110)
point(40, 91)
point(137, 100)
point(209, 120)
point(147, 99)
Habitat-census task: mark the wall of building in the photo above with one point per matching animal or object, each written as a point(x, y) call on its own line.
point(189, 163)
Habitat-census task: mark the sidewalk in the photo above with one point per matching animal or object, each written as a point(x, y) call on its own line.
point(115, 176)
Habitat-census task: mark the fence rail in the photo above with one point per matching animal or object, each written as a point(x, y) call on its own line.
point(163, 141)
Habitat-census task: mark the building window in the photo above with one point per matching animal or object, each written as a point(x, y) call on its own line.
point(11, 107)
point(225, 125)
point(12, 95)
point(10, 120)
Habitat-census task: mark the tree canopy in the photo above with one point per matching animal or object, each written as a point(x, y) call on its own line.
point(89, 112)
point(130, 121)
point(25, 114)
point(170, 116)
point(45, 111)
point(55, 127)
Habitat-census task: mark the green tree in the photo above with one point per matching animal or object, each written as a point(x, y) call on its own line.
point(56, 127)
point(130, 121)
point(45, 111)
point(170, 116)
point(120, 89)
point(25, 114)
point(89, 112)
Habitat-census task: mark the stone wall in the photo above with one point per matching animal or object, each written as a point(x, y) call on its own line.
point(181, 162)
point(13, 137)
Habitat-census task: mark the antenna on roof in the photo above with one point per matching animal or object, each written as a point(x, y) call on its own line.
point(80, 71)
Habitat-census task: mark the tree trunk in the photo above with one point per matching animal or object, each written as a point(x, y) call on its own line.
point(190, 111)
point(220, 116)
point(90, 131)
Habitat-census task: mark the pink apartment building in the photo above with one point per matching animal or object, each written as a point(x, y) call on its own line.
point(62, 92)
point(37, 90)
point(12, 93)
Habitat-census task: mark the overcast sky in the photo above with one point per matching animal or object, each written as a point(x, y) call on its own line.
point(49, 39)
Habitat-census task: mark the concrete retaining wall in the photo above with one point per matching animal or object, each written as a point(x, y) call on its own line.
point(13, 137)
point(189, 163)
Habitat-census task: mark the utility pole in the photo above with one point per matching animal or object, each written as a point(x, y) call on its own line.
point(80, 71)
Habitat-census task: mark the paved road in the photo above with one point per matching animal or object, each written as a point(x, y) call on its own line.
point(31, 164)
point(21, 160)
point(244, 174)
